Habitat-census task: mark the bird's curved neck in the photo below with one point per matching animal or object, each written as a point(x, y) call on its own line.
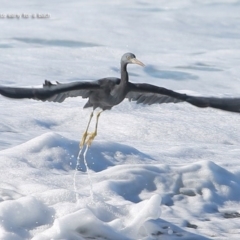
point(124, 73)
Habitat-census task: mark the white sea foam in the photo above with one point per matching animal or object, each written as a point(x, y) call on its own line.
point(166, 171)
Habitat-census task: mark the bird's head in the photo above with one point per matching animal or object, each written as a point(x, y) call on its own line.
point(130, 58)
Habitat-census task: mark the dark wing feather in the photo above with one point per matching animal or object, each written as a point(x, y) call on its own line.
point(151, 98)
point(150, 94)
point(52, 92)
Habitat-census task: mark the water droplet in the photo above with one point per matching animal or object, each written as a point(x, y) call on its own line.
point(170, 231)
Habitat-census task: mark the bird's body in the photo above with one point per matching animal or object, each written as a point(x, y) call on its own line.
point(106, 97)
point(108, 92)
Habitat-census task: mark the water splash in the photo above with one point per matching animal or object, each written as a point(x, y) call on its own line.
point(77, 170)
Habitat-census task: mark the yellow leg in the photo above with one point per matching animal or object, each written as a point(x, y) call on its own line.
point(86, 132)
point(94, 134)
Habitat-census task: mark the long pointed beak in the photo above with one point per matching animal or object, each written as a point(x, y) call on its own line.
point(136, 61)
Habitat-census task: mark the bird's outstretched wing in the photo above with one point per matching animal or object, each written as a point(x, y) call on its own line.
point(52, 92)
point(150, 94)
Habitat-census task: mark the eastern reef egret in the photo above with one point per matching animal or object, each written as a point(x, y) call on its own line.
point(108, 92)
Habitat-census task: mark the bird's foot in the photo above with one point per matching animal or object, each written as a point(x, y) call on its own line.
point(91, 138)
point(81, 144)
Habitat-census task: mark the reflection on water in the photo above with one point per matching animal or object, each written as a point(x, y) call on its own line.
point(167, 74)
point(201, 67)
point(55, 42)
point(5, 46)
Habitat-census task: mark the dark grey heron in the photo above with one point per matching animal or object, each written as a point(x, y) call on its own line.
point(108, 92)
